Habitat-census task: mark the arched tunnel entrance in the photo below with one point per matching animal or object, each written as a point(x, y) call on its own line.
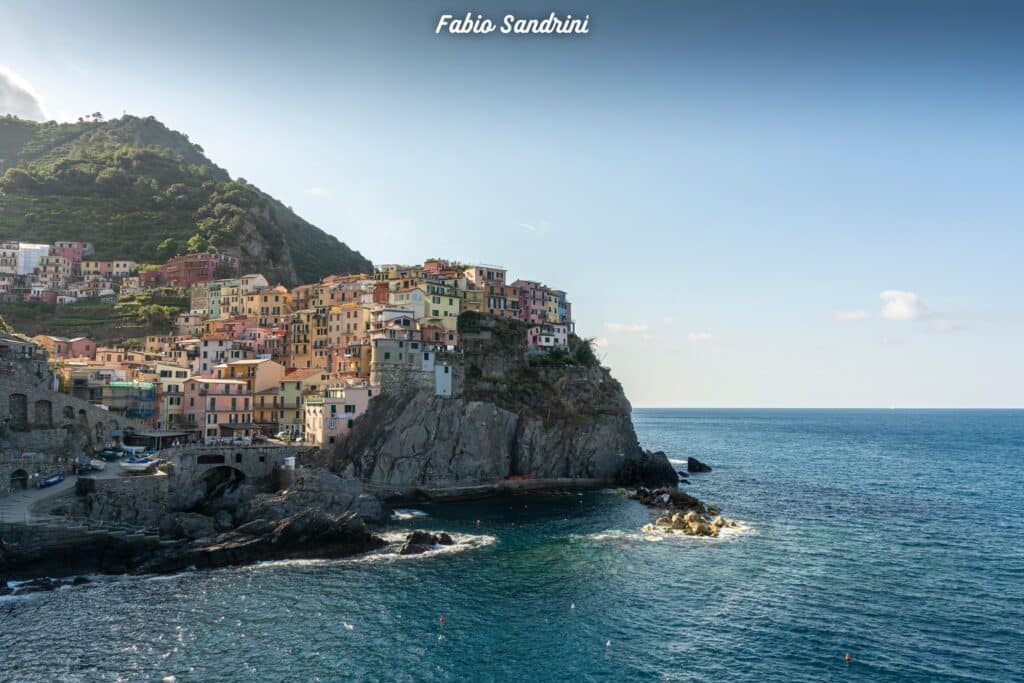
point(220, 480)
point(19, 480)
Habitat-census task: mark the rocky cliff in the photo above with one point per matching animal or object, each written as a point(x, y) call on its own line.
point(512, 419)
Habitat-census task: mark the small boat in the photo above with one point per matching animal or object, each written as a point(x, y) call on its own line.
point(109, 454)
point(51, 480)
point(97, 464)
point(132, 451)
point(137, 464)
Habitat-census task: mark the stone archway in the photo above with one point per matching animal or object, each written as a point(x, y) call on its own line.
point(43, 414)
point(19, 480)
point(18, 406)
point(221, 479)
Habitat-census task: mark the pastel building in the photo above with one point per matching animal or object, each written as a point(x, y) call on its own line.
point(331, 417)
point(59, 348)
point(218, 408)
point(547, 336)
point(183, 271)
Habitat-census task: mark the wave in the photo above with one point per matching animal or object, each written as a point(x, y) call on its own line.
point(403, 514)
point(463, 543)
point(619, 535)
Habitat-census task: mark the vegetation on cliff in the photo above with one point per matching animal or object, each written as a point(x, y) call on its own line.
point(99, 182)
point(134, 316)
point(499, 370)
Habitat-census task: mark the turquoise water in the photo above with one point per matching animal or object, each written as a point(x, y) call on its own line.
point(893, 535)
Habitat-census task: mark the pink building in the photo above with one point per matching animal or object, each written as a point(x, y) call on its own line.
point(72, 251)
point(62, 347)
point(330, 418)
point(547, 336)
point(533, 300)
point(218, 408)
point(183, 271)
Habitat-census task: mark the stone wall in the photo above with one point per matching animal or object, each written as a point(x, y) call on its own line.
point(26, 465)
point(140, 500)
point(35, 417)
point(192, 464)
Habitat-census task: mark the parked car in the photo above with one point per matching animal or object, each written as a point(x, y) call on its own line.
point(284, 436)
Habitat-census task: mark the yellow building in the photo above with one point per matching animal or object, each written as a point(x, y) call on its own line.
point(472, 300)
point(294, 388)
point(442, 305)
point(170, 380)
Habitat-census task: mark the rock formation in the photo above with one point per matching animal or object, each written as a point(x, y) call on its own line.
point(694, 465)
point(685, 514)
point(558, 425)
point(308, 534)
point(421, 541)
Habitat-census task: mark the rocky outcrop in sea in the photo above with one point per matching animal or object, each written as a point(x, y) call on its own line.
point(683, 513)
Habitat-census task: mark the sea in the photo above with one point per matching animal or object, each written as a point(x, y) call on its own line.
point(893, 536)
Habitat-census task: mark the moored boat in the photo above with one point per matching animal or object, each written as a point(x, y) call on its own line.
point(98, 464)
point(51, 480)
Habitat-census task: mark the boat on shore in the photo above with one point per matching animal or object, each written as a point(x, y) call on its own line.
point(51, 480)
point(138, 464)
point(98, 464)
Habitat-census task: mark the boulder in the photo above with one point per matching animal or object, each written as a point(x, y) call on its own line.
point(223, 521)
point(189, 525)
point(422, 541)
point(695, 465)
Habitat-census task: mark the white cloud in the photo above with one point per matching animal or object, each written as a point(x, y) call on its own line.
point(901, 305)
point(700, 337)
point(318, 191)
point(850, 316)
point(626, 327)
point(667, 321)
point(528, 227)
point(18, 98)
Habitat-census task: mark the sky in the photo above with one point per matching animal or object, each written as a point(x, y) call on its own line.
point(751, 204)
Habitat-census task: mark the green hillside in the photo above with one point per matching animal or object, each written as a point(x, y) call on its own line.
point(138, 190)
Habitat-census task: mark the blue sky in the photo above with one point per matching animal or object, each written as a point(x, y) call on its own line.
point(751, 203)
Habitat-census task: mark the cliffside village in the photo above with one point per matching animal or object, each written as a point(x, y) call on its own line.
point(251, 359)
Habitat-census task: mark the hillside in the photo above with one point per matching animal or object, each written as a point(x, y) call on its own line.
point(138, 190)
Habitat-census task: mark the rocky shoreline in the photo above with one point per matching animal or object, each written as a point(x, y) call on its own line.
point(323, 516)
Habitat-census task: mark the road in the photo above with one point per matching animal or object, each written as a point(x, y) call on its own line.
point(18, 506)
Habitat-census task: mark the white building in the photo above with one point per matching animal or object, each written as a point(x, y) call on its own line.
point(29, 256)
